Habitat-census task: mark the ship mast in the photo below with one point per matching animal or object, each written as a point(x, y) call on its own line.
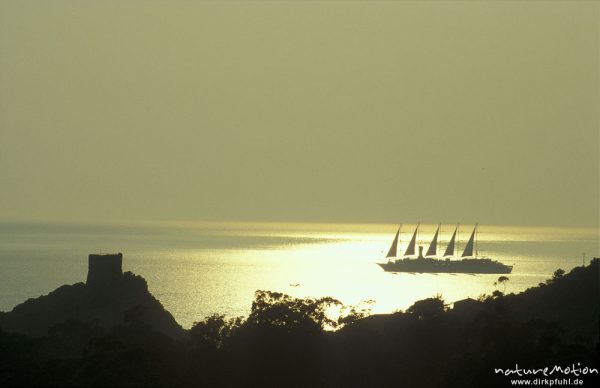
point(457, 238)
point(476, 242)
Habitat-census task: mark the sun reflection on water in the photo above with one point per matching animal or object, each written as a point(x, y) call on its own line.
point(342, 264)
point(197, 269)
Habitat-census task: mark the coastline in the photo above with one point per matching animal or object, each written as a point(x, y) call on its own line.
point(231, 266)
point(429, 342)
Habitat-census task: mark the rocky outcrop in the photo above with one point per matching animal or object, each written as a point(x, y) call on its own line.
point(125, 301)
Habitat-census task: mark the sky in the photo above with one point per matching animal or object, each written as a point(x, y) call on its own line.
point(332, 111)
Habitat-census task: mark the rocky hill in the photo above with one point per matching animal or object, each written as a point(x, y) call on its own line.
point(112, 332)
point(122, 298)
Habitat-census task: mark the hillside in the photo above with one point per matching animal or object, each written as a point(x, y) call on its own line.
point(127, 300)
point(122, 337)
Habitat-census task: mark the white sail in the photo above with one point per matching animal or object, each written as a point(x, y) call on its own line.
point(450, 248)
point(410, 250)
point(394, 247)
point(468, 252)
point(432, 250)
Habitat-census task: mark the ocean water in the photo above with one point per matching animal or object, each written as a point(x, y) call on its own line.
point(197, 269)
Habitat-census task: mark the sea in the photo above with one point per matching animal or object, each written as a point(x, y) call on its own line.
point(196, 269)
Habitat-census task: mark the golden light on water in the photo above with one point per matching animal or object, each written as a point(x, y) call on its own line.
point(198, 269)
point(339, 260)
point(378, 231)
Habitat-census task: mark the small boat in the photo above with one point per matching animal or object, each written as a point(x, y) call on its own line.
point(430, 263)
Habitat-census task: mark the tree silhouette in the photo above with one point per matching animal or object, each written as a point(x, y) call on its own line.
point(214, 331)
point(278, 309)
point(428, 308)
point(558, 274)
point(502, 280)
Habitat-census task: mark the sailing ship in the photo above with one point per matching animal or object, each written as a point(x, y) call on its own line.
point(430, 263)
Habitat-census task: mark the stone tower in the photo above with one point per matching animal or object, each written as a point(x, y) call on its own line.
point(104, 270)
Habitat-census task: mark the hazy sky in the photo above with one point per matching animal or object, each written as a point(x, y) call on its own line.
point(300, 111)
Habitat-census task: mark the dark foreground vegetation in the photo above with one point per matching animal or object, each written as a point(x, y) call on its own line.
point(285, 341)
